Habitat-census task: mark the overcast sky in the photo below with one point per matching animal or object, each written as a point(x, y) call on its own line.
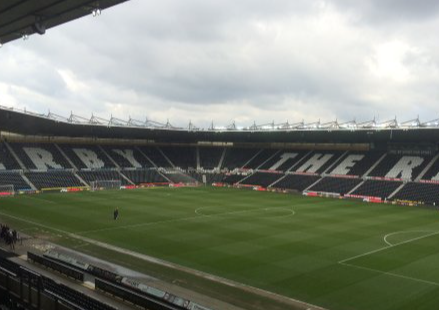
point(228, 60)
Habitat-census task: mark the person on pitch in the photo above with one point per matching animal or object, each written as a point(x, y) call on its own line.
point(116, 214)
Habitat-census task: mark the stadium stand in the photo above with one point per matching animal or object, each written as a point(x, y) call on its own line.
point(377, 188)
point(433, 172)
point(144, 176)
point(7, 161)
point(127, 157)
point(156, 156)
point(209, 177)
point(103, 175)
point(233, 178)
point(400, 166)
point(178, 177)
point(238, 157)
point(87, 156)
point(317, 162)
point(182, 157)
point(263, 179)
point(73, 296)
point(40, 156)
point(13, 178)
point(56, 266)
point(355, 163)
point(335, 185)
point(53, 179)
point(283, 160)
point(48, 293)
point(376, 173)
point(260, 159)
point(296, 182)
point(426, 193)
point(210, 157)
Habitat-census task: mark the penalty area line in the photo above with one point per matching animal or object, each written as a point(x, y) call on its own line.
point(391, 274)
point(390, 246)
point(404, 232)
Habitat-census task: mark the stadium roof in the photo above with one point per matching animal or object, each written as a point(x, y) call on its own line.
point(22, 18)
point(29, 123)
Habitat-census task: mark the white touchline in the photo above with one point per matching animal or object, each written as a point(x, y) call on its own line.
point(199, 216)
point(34, 223)
point(290, 210)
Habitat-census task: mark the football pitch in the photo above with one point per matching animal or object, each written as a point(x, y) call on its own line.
point(336, 254)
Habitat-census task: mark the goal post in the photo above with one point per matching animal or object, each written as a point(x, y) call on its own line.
point(7, 190)
point(105, 185)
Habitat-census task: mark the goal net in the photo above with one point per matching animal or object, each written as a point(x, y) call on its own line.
point(7, 190)
point(105, 184)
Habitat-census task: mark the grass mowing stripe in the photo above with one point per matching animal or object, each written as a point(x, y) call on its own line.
point(298, 257)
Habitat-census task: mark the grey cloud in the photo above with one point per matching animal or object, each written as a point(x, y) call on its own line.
point(248, 60)
point(387, 11)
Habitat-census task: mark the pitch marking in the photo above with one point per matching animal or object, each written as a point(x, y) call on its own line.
point(404, 232)
point(199, 215)
point(389, 246)
point(390, 274)
point(291, 211)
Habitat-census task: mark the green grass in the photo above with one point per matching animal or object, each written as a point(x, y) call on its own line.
point(323, 251)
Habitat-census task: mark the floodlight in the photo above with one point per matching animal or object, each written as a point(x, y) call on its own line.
point(96, 12)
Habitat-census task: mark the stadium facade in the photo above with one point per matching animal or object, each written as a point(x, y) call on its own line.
point(373, 162)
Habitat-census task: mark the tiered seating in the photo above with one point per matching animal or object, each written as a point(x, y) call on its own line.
point(296, 182)
point(283, 161)
point(155, 156)
point(361, 166)
point(95, 175)
point(427, 193)
point(261, 158)
point(75, 297)
point(263, 179)
point(10, 265)
point(178, 177)
point(7, 160)
point(210, 157)
point(14, 178)
point(69, 151)
point(183, 157)
point(120, 153)
point(432, 172)
point(374, 188)
point(33, 160)
point(233, 178)
point(53, 179)
point(318, 162)
point(391, 161)
point(238, 157)
point(335, 185)
point(210, 177)
point(144, 176)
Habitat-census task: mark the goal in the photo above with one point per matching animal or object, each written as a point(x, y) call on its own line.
point(7, 190)
point(105, 184)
